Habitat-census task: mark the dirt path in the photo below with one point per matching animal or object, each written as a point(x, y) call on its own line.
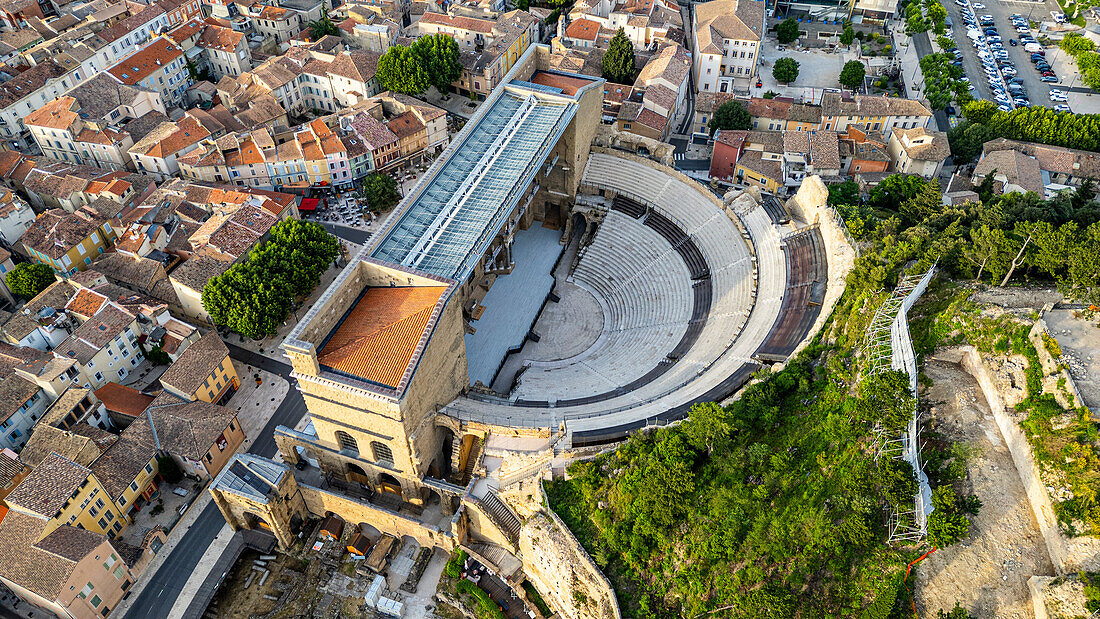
point(988, 572)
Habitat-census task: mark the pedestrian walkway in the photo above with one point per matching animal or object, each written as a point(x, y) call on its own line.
point(255, 402)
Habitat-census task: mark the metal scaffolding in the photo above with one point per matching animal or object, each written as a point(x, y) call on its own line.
point(889, 347)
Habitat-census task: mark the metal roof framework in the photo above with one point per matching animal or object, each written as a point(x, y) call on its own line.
point(460, 205)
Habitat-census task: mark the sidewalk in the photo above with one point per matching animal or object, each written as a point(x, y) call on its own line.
point(202, 570)
point(256, 403)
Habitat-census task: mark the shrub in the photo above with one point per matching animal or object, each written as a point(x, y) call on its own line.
point(453, 569)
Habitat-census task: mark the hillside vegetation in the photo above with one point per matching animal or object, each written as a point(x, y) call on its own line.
point(775, 506)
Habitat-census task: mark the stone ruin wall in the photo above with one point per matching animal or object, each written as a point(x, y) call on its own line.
point(569, 580)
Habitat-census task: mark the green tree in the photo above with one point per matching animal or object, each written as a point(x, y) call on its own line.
point(948, 523)
point(988, 251)
point(938, 15)
point(400, 69)
point(966, 140)
point(730, 115)
point(785, 70)
point(439, 56)
point(848, 36)
point(852, 74)
point(708, 426)
point(380, 190)
point(955, 613)
point(253, 297)
point(979, 112)
point(896, 189)
point(618, 61)
point(320, 27)
point(887, 400)
point(844, 193)
point(27, 280)
point(1075, 43)
point(787, 31)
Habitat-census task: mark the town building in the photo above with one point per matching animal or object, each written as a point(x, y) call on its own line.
point(69, 241)
point(203, 372)
point(728, 34)
point(918, 151)
point(159, 66)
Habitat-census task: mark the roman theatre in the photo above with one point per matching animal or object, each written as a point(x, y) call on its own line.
point(548, 287)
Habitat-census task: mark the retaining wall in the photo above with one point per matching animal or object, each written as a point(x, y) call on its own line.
point(569, 580)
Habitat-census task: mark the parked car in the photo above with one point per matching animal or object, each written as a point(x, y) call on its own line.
point(1050, 79)
point(1062, 107)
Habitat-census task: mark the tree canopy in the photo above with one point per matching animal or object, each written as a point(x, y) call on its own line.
point(254, 296)
point(852, 74)
point(618, 61)
point(439, 57)
point(730, 115)
point(848, 36)
point(321, 27)
point(380, 190)
point(785, 70)
point(401, 69)
point(27, 280)
point(1028, 124)
point(787, 31)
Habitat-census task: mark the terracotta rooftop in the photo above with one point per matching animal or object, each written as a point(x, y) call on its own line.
point(32, 568)
point(568, 84)
point(377, 339)
point(584, 29)
point(146, 61)
point(57, 114)
point(122, 399)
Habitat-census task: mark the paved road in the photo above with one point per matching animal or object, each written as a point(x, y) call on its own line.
point(923, 46)
point(163, 587)
point(354, 235)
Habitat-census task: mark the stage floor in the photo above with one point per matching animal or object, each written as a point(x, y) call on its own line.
point(513, 301)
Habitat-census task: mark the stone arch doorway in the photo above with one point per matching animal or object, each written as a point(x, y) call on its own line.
point(442, 464)
point(389, 483)
point(356, 474)
point(578, 226)
point(254, 521)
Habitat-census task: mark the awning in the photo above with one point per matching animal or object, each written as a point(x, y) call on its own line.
point(309, 204)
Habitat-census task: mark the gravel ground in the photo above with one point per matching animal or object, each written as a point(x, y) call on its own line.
point(987, 573)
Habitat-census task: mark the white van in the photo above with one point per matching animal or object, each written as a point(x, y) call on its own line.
point(1033, 47)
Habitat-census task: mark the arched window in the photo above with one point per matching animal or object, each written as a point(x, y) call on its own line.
point(382, 452)
point(347, 443)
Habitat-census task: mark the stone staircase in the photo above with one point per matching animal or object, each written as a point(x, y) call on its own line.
point(502, 515)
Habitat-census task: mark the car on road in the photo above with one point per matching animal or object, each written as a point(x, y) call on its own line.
point(1062, 107)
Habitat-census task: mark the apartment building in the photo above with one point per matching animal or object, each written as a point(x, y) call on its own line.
point(71, 572)
point(918, 151)
point(226, 51)
point(159, 66)
point(159, 151)
point(16, 217)
point(658, 95)
point(275, 22)
point(647, 23)
point(772, 160)
point(876, 115)
point(203, 372)
point(61, 133)
point(69, 241)
point(105, 345)
point(728, 34)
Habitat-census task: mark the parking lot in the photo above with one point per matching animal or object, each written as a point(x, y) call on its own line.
point(1037, 91)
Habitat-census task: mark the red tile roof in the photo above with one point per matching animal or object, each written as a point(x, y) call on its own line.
point(122, 399)
point(378, 338)
point(146, 61)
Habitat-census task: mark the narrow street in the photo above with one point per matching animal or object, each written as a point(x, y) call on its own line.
point(163, 587)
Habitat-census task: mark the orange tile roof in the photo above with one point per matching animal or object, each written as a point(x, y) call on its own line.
point(145, 62)
point(377, 339)
point(86, 302)
point(57, 114)
point(584, 29)
point(122, 399)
